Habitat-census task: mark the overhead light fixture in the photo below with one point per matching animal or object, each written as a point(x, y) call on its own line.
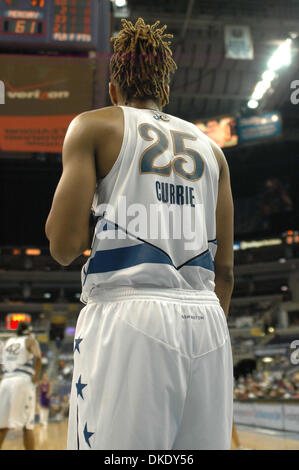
point(260, 89)
point(267, 359)
point(120, 3)
point(252, 104)
point(284, 288)
point(281, 57)
point(269, 75)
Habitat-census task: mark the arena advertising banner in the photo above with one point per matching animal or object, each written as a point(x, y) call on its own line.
point(272, 350)
point(222, 130)
point(42, 96)
point(269, 416)
point(238, 42)
point(259, 127)
point(229, 131)
point(291, 417)
point(281, 416)
point(244, 413)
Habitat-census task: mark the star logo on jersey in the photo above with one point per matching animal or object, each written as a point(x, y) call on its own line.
point(87, 435)
point(80, 386)
point(77, 341)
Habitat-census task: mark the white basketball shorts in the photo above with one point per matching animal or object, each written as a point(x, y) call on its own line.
point(17, 402)
point(152, 370)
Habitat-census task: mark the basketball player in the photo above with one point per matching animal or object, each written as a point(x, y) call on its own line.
point(152, 354)
point(21, 370)
point(44, 391)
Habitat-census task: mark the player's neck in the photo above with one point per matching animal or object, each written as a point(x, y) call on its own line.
point(144, 104)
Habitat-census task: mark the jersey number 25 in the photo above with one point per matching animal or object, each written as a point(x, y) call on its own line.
point(160, 145)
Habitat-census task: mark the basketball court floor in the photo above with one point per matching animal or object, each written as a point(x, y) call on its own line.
point(54, 437)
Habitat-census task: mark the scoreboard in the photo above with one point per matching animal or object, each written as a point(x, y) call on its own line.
point(13, 319)
point(49, 23)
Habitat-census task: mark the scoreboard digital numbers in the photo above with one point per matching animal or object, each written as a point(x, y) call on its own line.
point(49, 23)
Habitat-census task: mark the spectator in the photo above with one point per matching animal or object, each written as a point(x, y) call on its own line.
point(55, 408)
point(44, 397)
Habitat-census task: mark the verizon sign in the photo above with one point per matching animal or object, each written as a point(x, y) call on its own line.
point(42, 95)
point(38, 95)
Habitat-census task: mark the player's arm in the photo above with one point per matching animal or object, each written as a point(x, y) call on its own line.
point(33, 347)
point(68, 224)
point(224, 259)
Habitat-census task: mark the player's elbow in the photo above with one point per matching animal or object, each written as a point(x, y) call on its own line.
point(62, 255)
point(225, 274)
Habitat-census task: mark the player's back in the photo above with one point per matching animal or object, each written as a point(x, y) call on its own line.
point(156, 208)
point(16, 357)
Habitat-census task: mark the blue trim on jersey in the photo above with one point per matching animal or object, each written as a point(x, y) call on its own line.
point(24, 371)
point(107, 226)
point(126, 257)
point(205, 260)
point(19, 370)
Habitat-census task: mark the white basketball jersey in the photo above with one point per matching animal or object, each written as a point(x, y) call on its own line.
point(156, 209)
point(16, 357)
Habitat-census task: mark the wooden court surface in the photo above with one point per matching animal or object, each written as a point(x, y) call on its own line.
point(262, 441)
point(55, 435)
point(52, 437)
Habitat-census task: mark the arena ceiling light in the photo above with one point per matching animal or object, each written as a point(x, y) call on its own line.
point(267, 359)
point(260, 89)
point(252, 104)
point(120, 3)
point(282, 57)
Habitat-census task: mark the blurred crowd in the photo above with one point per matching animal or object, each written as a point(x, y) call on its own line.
point(267, 385)
point(59, 408)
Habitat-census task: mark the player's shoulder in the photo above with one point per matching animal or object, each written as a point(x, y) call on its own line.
point(30, 340)
point(95, 123)
point(105, 115)
point(219, 155)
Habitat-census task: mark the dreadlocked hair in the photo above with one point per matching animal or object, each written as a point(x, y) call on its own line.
point(142, 61)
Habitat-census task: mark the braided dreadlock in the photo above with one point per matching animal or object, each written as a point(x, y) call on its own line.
point(142, 61)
